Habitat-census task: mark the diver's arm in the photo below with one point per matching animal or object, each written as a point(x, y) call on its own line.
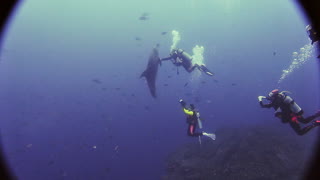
point(264, 105)
point(183, 104)
point(187, 111)
point(270, 105)
point(166, 59)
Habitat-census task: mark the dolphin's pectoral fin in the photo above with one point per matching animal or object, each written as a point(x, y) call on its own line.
point(143, 74)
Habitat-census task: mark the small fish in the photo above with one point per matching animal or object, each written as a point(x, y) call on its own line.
point(104, 89)
point(144, 17)
point(165, 84)
point(94, 147)
point(203, 82)
point(216, 81)
point(138, 39)
point(145, 14)
point(133, 95)
point(96, 81)
point(233, 84)
point(116, 148)
point(29, 145)
point(163, 33)
point(169, 76)
point(274, 53)
point(117, 88)
point(50, 163)
point(146, 108)
point(186, 84)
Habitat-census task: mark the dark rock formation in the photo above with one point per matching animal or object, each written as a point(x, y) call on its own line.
point(256, 153)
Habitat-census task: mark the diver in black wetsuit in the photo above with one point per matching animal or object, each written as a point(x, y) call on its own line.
point(179, 57)
point(288, 111)
point(314, 37)
point(193, 120)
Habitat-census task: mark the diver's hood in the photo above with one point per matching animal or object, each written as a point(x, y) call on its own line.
point(272, 95)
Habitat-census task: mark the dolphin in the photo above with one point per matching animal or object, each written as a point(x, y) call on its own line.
point(151, 71)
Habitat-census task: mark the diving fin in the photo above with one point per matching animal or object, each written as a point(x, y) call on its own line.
point(210, 135)
point(205, 70)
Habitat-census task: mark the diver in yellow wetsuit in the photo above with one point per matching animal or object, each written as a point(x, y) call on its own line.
point(193, 120)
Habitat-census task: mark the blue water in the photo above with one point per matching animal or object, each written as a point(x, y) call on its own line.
point(57, 123)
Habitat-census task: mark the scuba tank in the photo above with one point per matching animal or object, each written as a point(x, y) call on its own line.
point(294, 107)
point(186, 56)
point(199, 124)
point(199, 120)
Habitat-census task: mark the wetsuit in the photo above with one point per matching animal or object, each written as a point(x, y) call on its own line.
point(315, 38)
point(286, 115)
point(181, 58)
point(192, 121)
point(313, 35)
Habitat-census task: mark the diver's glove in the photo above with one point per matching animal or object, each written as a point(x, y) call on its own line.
point(183, 104)
point(260, 98)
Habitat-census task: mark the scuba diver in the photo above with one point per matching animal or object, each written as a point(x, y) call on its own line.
point(179, 57)
point(193, 119)
point(288, 111)
point(314, 37)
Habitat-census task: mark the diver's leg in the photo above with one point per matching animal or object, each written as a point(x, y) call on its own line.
point(306, 120)
point(310, 118)
point(205, 70)
point(301, 131)
point(192, 67)
point(296, 127)
point(191, 131)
